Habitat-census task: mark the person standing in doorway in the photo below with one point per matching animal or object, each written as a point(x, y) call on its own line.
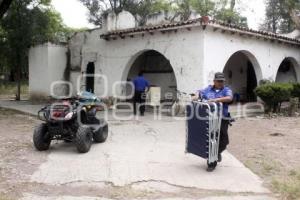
point(141, 86)
point(218, 92)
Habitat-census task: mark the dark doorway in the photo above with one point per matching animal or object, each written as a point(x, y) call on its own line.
point(251, 83)
point(158, 71)
point(90, 72)
point(241, 77)
point(286, 72)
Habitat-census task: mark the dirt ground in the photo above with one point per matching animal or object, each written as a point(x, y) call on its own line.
point(18, 161)
point(269, 147)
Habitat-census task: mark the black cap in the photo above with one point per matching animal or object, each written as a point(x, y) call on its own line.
point(219, 76)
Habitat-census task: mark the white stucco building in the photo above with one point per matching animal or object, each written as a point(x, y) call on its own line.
point(181, 55)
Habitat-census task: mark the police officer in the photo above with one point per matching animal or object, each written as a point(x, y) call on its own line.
point(141, 86)
point(218, 92)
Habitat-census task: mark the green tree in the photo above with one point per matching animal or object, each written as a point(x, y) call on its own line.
point(4, 5)
point(142, 8)
point(226, 11)
point(27, 22)
point(279, 16)
point(204, 7)
point(182, 8)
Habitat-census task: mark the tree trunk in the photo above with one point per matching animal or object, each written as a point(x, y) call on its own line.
point(18, 70)
point(18, 56)
point(274, 28)
point(232, 5)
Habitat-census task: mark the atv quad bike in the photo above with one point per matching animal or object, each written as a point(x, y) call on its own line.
point(71, 120)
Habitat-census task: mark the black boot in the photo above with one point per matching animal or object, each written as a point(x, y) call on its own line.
point(211, 166)
point(219, 157)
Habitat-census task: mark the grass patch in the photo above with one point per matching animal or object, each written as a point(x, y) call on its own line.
point(288, 187)
point(264, 167)
point(3, 197)
point(10, 88)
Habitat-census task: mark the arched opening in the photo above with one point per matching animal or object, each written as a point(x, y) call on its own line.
point(242, 74)
point(90, 79)
point(157, 70)
point(287, 71)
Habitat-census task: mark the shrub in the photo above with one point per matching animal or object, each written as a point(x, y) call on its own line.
point(296, 90)
point(273, 94)
point(264, 81)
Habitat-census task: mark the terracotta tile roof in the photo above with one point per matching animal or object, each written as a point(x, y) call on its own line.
point(199, 22)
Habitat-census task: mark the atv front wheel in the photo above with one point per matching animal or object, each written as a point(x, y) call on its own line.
point(84, 138)
point(41, 138)
point(101, 134)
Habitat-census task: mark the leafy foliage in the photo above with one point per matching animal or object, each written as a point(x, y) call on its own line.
point(296, 90)
point(142, 8)
point(279, 17)
point(27, 23)
point(273, 94)
point(219, 9)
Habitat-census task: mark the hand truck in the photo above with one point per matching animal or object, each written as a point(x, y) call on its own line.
point(203, 126)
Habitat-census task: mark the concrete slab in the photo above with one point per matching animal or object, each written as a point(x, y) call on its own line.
point(146, 155)
point(35, 197)
point(141, 152)
point(23, 106)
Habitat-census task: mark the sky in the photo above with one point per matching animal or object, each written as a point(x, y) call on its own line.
point(74, 13)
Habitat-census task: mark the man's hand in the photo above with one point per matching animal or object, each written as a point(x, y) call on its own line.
point(221, 100)
point(195, 98)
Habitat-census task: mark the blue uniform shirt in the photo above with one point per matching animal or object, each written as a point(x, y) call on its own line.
point(140, 84)
point(211, 93)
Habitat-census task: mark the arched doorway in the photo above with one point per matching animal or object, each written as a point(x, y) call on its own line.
point(242, 74)
point(90, 79)
point(287, 71)
point(157, 70)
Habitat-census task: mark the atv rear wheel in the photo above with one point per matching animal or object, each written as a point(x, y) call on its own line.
point(84, 139)
point(41, 138)
point(101, 134)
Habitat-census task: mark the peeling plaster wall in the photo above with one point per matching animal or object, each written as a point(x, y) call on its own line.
point(114, 58)
point(182, 49)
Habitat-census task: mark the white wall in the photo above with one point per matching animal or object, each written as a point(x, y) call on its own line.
point(219, 47)
point(194, 55)
point(47, 64)
point(123, 20)
point(38, 70)
point(115, 57)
